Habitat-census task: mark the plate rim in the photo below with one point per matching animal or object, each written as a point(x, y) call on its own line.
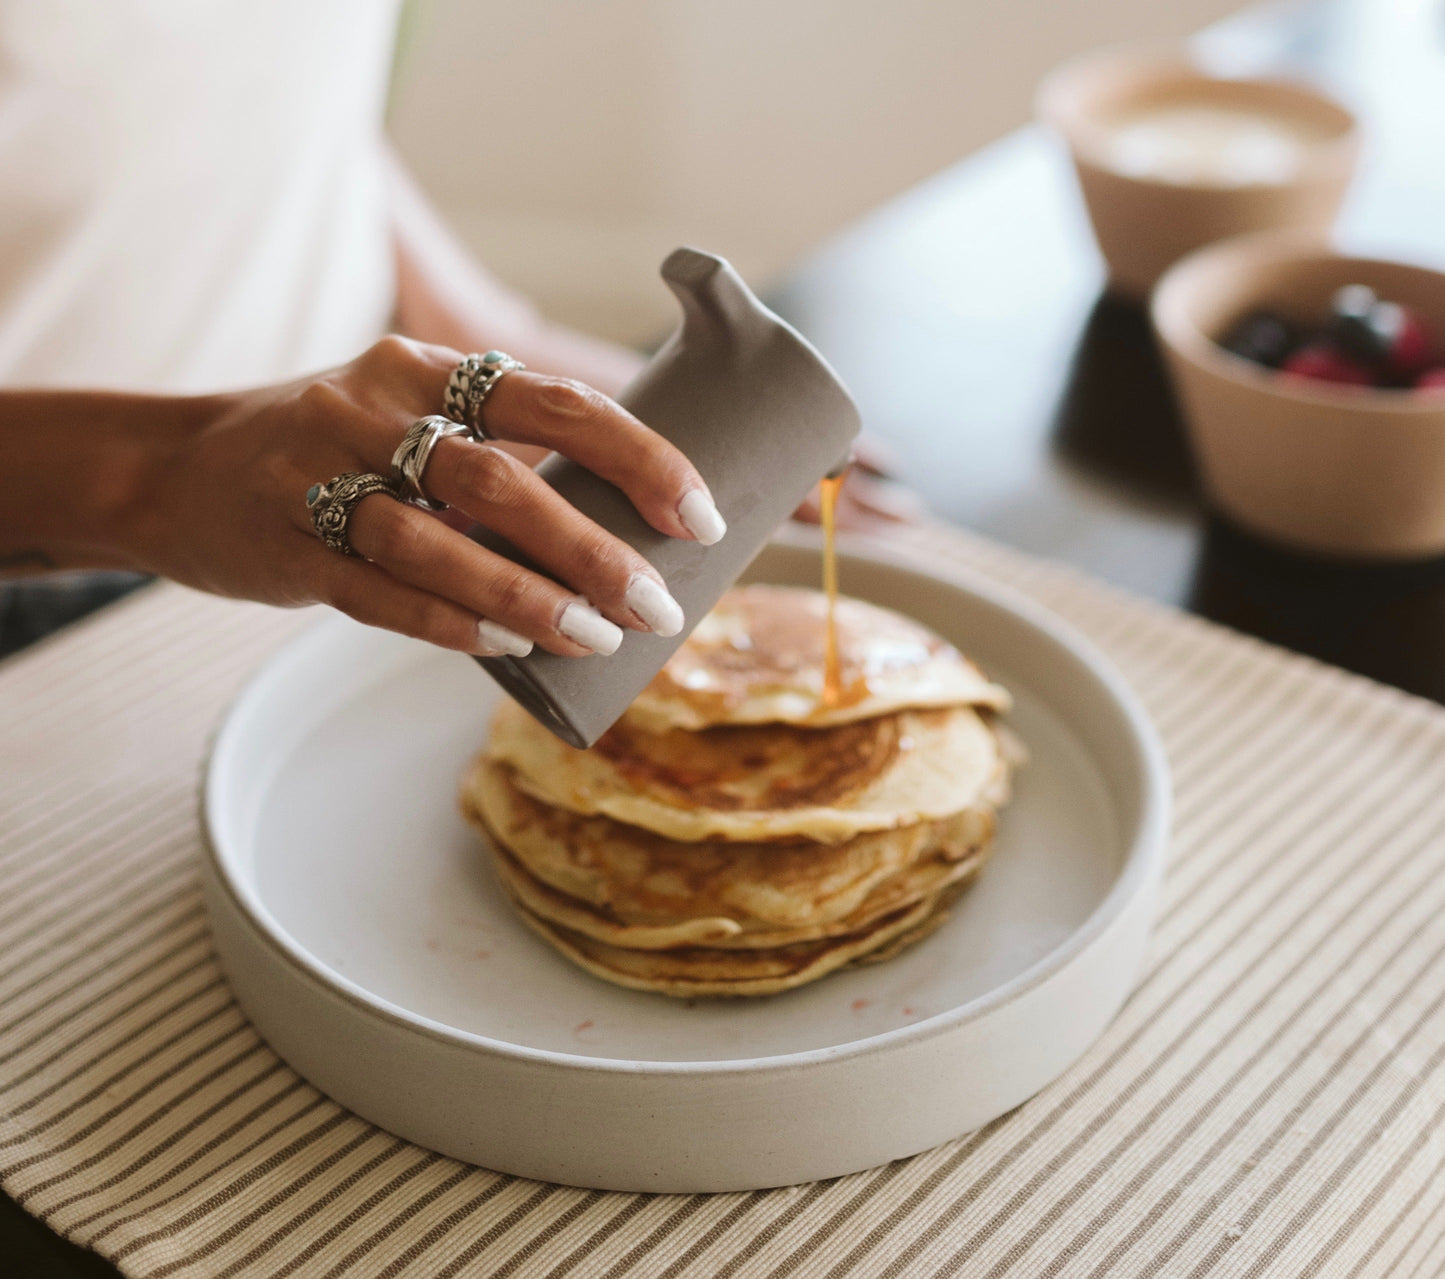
point(1143, 859)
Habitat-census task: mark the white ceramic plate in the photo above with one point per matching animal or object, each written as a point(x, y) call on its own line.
point(366, 937)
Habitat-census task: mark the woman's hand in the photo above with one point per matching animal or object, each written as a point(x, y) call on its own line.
point(225, 508)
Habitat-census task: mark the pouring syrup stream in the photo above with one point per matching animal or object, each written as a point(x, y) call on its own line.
point(828, 503)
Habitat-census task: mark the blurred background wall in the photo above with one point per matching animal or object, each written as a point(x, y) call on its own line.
point(573, 142)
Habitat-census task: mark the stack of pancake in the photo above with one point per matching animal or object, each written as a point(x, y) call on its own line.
point(736, 832)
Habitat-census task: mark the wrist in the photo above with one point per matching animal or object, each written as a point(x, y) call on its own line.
point(82, 472)
point(128, 515)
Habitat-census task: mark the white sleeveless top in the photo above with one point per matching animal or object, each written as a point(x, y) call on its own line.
point(190, 190)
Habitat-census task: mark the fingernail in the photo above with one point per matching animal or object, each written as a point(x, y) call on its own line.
point(701, 518)
point(583, 624)
point(495, 641)
point(649, 599)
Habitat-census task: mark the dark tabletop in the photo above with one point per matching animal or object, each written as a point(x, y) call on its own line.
point(968, 318)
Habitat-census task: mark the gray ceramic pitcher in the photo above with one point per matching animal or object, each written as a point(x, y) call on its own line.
point(761, 416)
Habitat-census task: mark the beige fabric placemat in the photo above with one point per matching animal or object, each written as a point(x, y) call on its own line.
point(1270, 1102)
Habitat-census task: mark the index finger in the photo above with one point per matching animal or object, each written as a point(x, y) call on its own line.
point(584, 425)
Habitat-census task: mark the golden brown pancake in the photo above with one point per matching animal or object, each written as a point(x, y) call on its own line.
point(632, 887)
point(732, 836)
point(922, 880)
point(767, 782)
point(758, 658)
point(639, 874)
point(704, 971)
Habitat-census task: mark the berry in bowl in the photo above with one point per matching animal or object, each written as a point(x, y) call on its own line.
point(1313, 389)
point(1365, 340)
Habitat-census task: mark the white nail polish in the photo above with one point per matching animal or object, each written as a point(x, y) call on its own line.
point(701, 518)
point(494, 641)
point(650, 600)
point(583, 624)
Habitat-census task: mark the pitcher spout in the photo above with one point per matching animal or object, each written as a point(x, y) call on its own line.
point(714, 299)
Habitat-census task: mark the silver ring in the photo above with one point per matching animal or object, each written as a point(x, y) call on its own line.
point(470, 384)
point(454, 402)
point(408, 463)
point(331, 505)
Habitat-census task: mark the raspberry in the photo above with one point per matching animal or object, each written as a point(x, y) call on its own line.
point(1321, 363)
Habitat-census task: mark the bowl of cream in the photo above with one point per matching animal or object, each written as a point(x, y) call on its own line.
point(1170, 158)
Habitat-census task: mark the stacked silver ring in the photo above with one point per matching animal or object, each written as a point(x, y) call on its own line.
point(470, 384)
point(454, 402)
point(332, 503)
point(408, 463)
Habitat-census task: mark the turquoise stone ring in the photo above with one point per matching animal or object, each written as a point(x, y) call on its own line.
point(470, 384)
point(331, 505)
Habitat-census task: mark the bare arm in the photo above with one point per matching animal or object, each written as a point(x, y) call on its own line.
point(212, 491)
point(73, 480)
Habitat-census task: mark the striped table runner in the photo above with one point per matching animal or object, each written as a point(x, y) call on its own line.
point(1270, 1102)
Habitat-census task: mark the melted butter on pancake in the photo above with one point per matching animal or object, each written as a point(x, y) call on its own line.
point(760, 657)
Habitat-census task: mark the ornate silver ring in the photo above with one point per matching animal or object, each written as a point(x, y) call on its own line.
point(331, 505)
point(470, 384)
point(408, 463)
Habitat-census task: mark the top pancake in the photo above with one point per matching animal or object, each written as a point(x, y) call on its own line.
point(757, 658)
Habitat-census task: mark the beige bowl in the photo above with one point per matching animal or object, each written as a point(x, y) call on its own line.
point(1350, 471)
point(1144, 223)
